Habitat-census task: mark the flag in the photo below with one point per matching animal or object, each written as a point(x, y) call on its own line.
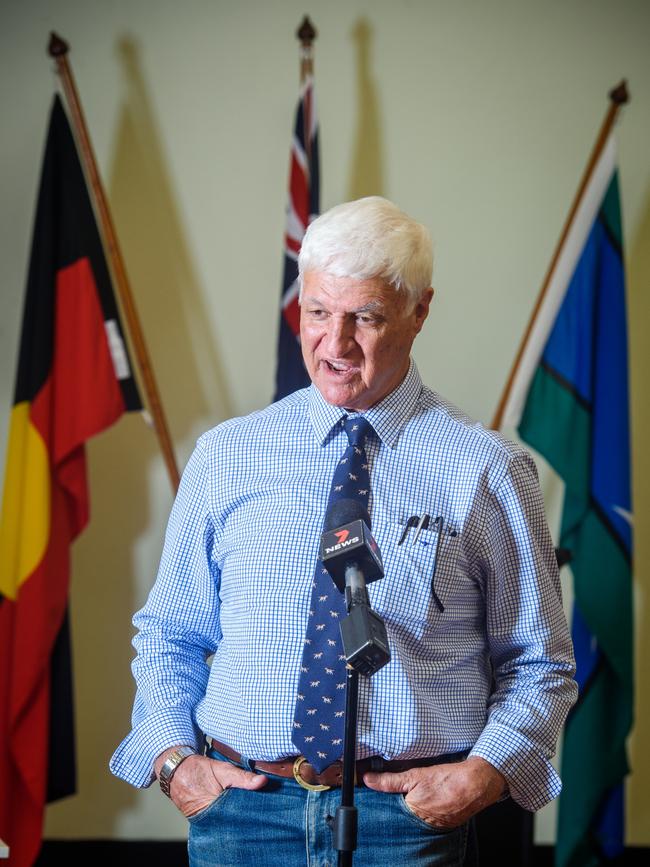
point(302, 207)
point(571, 400)
point(73, 380)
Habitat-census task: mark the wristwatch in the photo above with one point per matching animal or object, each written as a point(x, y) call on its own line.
point(171, 765)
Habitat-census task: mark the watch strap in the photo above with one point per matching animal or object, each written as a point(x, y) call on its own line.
point(172, 763)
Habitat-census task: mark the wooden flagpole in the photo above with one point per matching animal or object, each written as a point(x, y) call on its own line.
point(58, 49)
point(618, 96)
point(306, 33)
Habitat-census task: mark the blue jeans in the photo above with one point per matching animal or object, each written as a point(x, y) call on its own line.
point(284, 825)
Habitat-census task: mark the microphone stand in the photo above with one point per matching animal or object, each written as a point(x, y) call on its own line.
point(366, 649)
point(344, 829)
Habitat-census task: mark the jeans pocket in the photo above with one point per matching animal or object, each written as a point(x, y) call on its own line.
point(195, 818)
point(421, 823)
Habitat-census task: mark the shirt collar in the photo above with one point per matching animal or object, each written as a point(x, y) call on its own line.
point(388, 417)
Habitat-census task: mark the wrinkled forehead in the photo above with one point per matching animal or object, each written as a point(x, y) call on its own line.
point(336, 285)
point(351, 294)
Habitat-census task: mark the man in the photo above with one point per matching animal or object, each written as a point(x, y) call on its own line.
point(480, 681)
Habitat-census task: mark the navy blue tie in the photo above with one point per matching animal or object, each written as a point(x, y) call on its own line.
point(320, 706)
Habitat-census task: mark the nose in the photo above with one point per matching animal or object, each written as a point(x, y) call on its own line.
point(340, 334)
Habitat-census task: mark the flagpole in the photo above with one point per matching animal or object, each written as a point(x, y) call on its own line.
point(618, 97)
point(58, 49)
point(306, 33)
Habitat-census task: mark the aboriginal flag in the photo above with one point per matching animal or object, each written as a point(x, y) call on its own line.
point(74, 379)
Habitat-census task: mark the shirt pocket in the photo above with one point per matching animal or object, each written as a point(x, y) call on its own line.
point(418, 577)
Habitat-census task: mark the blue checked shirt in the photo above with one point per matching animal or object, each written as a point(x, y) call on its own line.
point(220, 639)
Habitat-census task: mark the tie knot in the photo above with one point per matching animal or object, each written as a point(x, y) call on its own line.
point(357, 428)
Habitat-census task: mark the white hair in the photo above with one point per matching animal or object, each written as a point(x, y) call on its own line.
point(369, 238)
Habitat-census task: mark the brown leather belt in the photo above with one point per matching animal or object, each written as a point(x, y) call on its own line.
point(299, 769)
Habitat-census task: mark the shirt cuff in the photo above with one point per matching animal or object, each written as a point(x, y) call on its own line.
point(134, 759)
point(532, 779)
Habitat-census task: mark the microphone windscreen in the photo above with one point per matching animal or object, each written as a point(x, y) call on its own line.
point(343, 512)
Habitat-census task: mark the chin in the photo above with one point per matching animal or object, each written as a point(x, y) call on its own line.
point(340, 396)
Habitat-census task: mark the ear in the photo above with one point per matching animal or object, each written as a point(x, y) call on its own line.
point(421, 310)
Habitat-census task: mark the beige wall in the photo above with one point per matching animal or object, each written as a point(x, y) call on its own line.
point(477, 117)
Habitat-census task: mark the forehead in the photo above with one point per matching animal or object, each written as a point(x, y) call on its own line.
point(349, 293)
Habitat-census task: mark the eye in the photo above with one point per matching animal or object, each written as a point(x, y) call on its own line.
point(368, 318)
point(317, 313)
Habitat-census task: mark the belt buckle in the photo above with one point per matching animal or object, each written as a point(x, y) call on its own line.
point(311, 787)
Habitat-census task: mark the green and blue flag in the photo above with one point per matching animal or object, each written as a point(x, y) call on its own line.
point(570, 402)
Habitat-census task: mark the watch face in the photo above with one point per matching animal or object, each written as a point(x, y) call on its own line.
point(170, 767)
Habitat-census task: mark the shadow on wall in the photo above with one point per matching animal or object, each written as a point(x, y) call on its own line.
point(366, 171)
point(125, 463)
point(168, 292)
point(638, 279)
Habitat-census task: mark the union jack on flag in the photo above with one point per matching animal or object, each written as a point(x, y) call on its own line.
point(302, 207)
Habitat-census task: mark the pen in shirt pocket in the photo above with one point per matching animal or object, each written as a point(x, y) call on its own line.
point(420, 523)
point(425, 522)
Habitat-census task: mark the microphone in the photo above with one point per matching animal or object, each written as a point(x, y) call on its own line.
point(351, 557)
point(348, 550)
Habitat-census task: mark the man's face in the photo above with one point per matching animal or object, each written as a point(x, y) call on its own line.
point(356, 337)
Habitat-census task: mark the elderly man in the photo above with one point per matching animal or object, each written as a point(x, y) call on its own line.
point(240, 673)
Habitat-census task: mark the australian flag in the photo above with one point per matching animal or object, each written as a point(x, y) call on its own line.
point(302, 207)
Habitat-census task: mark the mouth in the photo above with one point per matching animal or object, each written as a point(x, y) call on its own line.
point(339, 369)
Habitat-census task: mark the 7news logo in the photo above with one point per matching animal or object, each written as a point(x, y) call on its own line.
point(343, 541)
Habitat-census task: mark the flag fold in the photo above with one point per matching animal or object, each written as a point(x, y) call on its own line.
point(302, 207)
point(73, 380)
point(572, 405)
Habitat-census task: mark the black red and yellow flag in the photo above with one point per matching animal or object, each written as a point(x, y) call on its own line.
point(74, 379)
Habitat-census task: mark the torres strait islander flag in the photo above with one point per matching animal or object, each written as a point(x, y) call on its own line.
point(73, 380)
point(570, 402)
point(302, 207)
